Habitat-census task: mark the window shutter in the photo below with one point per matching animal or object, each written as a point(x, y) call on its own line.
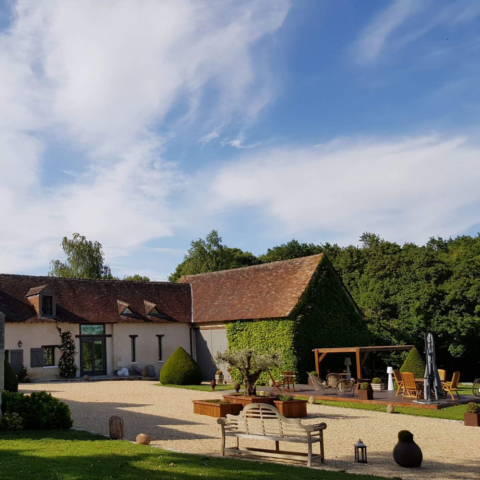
point(36, 357)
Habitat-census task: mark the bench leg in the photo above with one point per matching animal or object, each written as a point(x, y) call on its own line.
point(222, 448)
point(309, 461)
point(322, 448)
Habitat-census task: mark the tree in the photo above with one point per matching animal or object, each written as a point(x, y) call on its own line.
point(290, 250)
point(211, 255)
point(136, 278)
point(251, 364)
point(85, 259)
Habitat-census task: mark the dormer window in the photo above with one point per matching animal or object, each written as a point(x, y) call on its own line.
point(154, 312)
point(47, 305)
point(127, 311)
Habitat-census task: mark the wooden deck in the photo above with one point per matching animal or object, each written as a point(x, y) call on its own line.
point(380, 397)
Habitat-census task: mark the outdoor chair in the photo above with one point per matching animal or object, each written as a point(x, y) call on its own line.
point(276, 390)
point(333, 379)
point(443, 375)
point(345, 386)
point(410, 387)
point(450, 387)
point(136, 370)
point(398, 379)
point(150, 370)
point(288, 380)
point(318, 383)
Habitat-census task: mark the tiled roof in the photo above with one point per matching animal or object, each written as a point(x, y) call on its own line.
point(271, 290)
point(94, 301)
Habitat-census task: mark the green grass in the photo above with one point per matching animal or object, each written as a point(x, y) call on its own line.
point(200, 388)
point(449, 413)
point(75, 455)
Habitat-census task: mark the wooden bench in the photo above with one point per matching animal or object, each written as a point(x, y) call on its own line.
point(259, 421)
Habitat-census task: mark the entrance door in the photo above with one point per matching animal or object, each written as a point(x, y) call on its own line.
point(92, 356)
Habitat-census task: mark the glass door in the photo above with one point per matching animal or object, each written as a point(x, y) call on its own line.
point(93, 356)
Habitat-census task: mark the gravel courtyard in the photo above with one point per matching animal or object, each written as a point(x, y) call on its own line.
point(451, 451)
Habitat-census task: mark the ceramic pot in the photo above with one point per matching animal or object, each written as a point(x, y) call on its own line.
point(407, 454)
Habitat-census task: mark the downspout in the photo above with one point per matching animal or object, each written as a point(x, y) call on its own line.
point(192, 331)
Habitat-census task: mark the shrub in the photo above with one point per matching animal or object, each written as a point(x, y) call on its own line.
point(180, 369)
point(473, 407)
point(39, 410)
point(314, 373)
point(285, 398)
point(364, 386)
point(11, 421)
point(377, 380)
point(23, 375)
point(405, 436)
point(11, 380)
point(414, 363)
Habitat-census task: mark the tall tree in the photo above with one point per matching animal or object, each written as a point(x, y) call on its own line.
point(85, 259)
point(211, 255)
point(290, 250)
point(136, 278)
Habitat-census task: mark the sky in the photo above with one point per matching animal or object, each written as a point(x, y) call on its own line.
point(144, 125)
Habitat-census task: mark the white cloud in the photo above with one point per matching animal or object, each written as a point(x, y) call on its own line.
point(100, 79)
point(405, 189)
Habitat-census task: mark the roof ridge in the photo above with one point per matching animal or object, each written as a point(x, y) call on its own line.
point(103, 280)
point(264, 265)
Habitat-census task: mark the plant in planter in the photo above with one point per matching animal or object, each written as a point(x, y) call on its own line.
point(365, 391)
point(219, 377)
point(251, 364)
point(377, 384)
point(291, 408)
point(471, 417)
point(216, 408)
point(406, 452)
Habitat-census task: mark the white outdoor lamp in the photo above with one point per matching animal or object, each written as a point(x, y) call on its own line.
point(347, 362)
point(390, 378)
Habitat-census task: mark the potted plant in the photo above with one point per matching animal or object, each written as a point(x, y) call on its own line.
point(251, 364)
point(377, 384)
point(291, 408)
point(365, 391)
point(406, 452)
point(219, 377)
point(216, 408)
point(471, 417)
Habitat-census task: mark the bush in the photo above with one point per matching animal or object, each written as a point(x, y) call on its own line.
point(180, 369)
point(11, 421)
point(377, 380)
point(473, 407)
point(11, 380)
point(364, 386)
point(39, 410)
point(23, 375)
point(405, 436)
point(414, 363)
point(285, 398)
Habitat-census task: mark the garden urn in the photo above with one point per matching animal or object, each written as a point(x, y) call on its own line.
point(407, 453)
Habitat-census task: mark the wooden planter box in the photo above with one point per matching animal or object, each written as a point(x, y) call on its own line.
point(244, 401)
point(379, 386)
point(292, 409)
point(365, 394)
point(471, 419)
point(216, 410)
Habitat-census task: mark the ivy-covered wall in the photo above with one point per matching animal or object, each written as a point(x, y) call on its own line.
point(324, 317)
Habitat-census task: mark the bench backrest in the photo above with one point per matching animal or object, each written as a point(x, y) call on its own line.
point(263, 419)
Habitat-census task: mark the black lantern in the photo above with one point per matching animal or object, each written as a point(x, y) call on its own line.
point(360, 452)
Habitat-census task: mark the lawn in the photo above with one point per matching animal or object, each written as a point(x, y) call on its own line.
point(200, 388)
point(75, 455)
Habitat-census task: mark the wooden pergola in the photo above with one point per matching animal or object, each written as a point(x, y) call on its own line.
point(361, 354)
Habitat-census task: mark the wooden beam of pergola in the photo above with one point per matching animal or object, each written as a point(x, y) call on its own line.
point(321, 353)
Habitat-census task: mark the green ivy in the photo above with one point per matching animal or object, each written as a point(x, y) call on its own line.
point(324, 317)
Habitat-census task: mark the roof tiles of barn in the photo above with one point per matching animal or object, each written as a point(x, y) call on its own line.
point(94, 301)
point(270, 290)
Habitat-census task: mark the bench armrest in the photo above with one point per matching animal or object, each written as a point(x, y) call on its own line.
point(222, 421)
point(317, 427)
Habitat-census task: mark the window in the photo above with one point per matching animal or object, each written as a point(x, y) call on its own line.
point(127, 311)
point(47, 305)
point(48, 356)
point(154, 312)
point(133, 344)
point(92, 329)
point(160, 352)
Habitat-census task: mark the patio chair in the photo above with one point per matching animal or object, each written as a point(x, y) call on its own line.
point(410, 387)
point(288, 379)
point(333, 379)
point(318, 383)
point(450, 387)
point(136, 370)
point(443, 375)
point(345, 386)
point(398, 379)
point(276, 390)
point(150, 370)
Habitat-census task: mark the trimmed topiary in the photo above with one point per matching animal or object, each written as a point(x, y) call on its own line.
point(364, 386)
point(180, 369)
point(377, 381)
point(414, 363)
point(473, 407)
point(11, 380)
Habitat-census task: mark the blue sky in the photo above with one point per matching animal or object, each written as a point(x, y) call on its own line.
point(145, 124)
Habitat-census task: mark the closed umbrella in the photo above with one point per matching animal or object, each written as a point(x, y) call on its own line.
point(432, 383)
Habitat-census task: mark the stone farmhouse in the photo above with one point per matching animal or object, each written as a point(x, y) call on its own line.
point(124, 324)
